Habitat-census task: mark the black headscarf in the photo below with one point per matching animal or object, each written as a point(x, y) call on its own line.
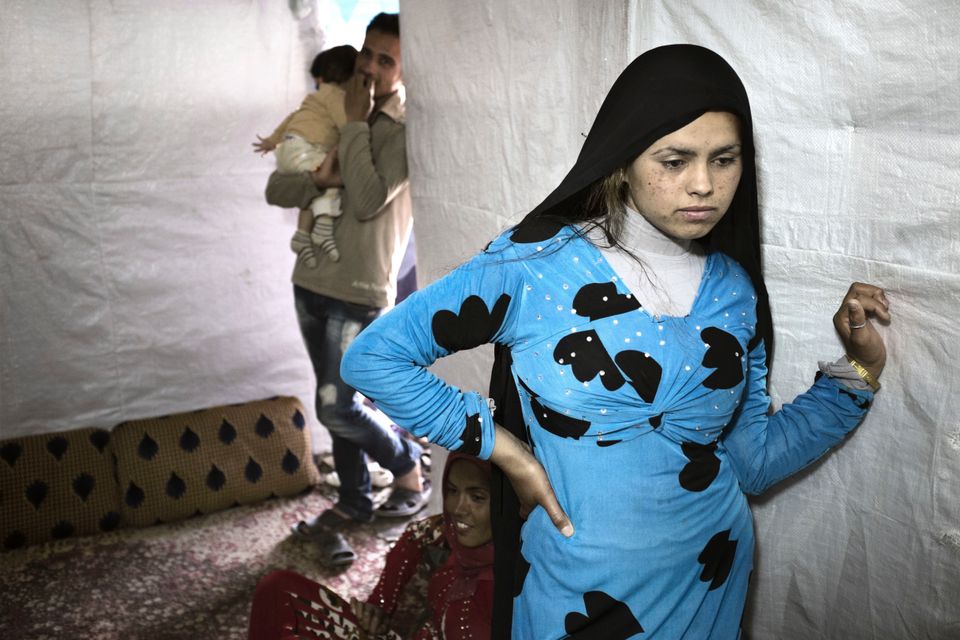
point(661, 91)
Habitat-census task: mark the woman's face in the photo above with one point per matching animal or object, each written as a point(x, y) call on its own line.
point(466, 501)
point(684, 182)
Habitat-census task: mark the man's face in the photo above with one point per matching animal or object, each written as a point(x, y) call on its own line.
point(379, 61)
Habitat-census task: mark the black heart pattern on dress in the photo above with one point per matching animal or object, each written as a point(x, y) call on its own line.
point(607, 619)
point(553, 421)
point(601, 300)
point(703, 467)
point(723, 355)
point(643, 372)
point(717, 559)
point(607, 443)
point(473, 326)
point(588, 358)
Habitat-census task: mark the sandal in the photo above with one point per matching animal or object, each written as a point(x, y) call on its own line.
point(404, 503)
point(327, 522)
point(335, 551)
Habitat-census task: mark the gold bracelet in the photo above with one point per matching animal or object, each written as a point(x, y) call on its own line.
point(868, 377)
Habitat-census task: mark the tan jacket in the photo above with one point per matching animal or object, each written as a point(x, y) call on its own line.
point(318, 120)
point(373, 231)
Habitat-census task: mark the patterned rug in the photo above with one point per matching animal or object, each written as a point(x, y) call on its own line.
point(190, 579)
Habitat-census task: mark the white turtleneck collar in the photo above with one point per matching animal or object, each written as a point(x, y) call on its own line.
point(641, 237)
point(668, 276)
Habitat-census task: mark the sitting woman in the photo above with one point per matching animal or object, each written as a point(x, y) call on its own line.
point(437, 581)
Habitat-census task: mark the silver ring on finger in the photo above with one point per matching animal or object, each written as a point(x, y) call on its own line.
point(858, 326)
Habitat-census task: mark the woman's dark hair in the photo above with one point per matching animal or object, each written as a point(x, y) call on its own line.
point(335, 64)
point(388, 23)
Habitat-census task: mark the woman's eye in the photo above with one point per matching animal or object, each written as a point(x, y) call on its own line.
point(725, 161)
point(673, 164)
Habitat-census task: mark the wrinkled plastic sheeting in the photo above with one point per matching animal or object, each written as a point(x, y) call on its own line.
point(141, 271)
point(857, 111)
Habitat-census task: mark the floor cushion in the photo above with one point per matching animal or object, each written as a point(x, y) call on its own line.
point(176, 466)
point(56, 485)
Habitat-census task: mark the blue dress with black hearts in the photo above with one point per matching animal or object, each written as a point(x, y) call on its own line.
point(651, 429)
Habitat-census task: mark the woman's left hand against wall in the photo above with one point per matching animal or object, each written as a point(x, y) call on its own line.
point(860, 337)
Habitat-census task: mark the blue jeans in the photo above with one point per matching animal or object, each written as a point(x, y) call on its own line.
point(328, 327)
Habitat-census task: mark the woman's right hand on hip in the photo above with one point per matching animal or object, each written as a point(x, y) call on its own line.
point(529, 479)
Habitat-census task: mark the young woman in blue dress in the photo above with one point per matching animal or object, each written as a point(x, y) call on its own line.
point(633, 335)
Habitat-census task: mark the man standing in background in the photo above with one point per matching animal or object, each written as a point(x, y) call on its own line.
point(336, 300)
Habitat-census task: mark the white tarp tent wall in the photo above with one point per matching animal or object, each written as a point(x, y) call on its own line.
point(141, 272)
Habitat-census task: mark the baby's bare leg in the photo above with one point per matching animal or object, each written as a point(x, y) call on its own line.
point(305, 221)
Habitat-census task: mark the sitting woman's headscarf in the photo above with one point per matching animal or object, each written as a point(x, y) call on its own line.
point(466, 578)
point(659, 92)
